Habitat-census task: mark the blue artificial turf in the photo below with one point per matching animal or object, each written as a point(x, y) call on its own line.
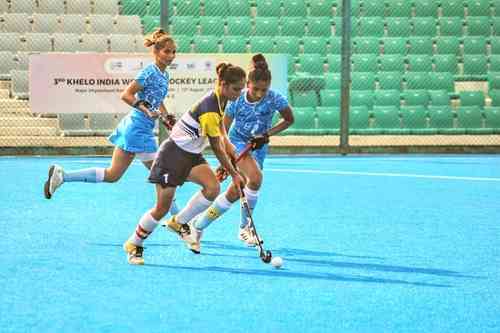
point(370, 243)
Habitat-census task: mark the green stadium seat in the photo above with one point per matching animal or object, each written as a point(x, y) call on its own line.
point(495, 45)
point(450, 26)
point(362, 97)
point(495, 97)
point(187, 8)
point(387, 120)
point(335, 45)
point(329, 97)
point(414, 120)
point(319, 26)
point(134, 7)
point(494, 62)
point(311, 63)
point(206, 44)
point(305, 122)
point(337, 23)
point(287, 45)
point(364, 63)
point(334, 63)
point(394, 45)
point(441, 81)
point(295, 8)
point(362, 81)
point(424, 26)
point(478, 8)
point(268, 8)
point(495, 4)
point(315, 45)
point(332, 81)
point(387, 98)
point(373, 8)
point(358, 120)
point(239, 25)
point(212, 25)
point(184, 25)
point(420, 45)
point(416, 97)
point(216, 8)
point(441, 119)
point(496, 26)
point(439, 97)
point(368, 45)
point(399, 8)
point(478, 26)
point(154, 8)
point(419, 63)
point(474, 45)
point(417, 80)
point(426, 8)
point(239, 8)
point(234, 44)
point(307, 98)
point(389, 80)
point(320, 8)
point(150, 23)
point(7, 63)
point(398, 27)
point(292, 26)
point(262, 44)
point(183, 43)
point(475, 66)
point(266, 26)
point(370, 26)
point(445, 63)
point(472, 98)
point(303, 81)
point(493, 119)
point(494, 80)
point(392, 63)
point(452, 8)
point(447, 45)
point(38, 42)
point(328, 119)
point(471, 120)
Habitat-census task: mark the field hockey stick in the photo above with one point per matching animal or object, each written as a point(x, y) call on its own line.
point(167, 120)
point(265, 255)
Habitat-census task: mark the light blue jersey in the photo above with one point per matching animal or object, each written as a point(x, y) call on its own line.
point(251, 119)
point(135, 132)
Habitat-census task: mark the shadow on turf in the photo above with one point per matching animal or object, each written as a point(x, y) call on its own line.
point(288, 274)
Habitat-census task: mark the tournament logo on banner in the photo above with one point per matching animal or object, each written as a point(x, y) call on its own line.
point(92, 83)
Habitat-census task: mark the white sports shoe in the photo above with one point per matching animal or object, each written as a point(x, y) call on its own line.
point(54, 181)
point(247, 236)
point(194, 240)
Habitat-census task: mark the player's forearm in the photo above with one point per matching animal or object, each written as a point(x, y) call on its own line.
point(280, 126)
point(128, 98)
point(222, 156)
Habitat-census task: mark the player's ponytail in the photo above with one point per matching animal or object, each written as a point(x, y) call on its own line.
point(230, 74)
point(259, 70)
point(158, 39)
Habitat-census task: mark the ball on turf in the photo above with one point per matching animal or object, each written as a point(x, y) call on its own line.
point(277, 262)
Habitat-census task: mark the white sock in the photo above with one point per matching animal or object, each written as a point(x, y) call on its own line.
point(197, 204)
point(252, 197)
point(216, 209)
point(145, 227)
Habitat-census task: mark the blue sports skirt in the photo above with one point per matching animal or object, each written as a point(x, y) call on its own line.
point(135, 134)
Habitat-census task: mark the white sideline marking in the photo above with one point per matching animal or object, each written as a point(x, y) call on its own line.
point(382, 174)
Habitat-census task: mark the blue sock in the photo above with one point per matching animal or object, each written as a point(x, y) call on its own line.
point(91, 175)
point(252, 197)
point(216, 209)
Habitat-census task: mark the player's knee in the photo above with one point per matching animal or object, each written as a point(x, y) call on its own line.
point(255, 180)
point(111, 176)
point(212, 190)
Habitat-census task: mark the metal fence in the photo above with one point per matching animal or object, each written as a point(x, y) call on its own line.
point(422, 73)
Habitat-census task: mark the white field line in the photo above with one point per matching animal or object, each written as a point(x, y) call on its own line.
point(382, 174)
